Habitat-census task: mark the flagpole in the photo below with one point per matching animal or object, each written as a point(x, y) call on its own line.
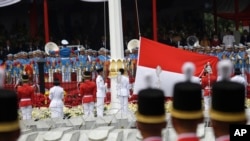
point(46, 21)
point(116, 49)
point(154, 15)
point(33, 19)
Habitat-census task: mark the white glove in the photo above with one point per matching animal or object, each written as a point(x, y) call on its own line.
point(129, 96)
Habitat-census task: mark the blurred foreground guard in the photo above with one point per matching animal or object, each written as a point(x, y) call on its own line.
point(186, 111)
point(150, 115)
point(228, 103)
point(238, 77)
point(224, 69)
point(56, 95)
point(9, 122)
point(25, 94)
point(88, 92)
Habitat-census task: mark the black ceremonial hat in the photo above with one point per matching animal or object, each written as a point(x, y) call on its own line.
point(25, 78)
point(8, 108)
point(237, 71)
point(151, 106)
point(99, 69)
point(87, 74)
point(121, 70)
point(56, 82)
point(228, 102)
point(187, 101)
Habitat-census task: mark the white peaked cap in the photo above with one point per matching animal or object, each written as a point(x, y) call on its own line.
point(229, 46)
point(64, 42)
point(218, 47)
point(82, 49)
point(188, 68)
point(241, 46)
point(225, 69)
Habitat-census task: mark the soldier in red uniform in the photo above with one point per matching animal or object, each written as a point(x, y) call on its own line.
point(88, 92)
point(25, 95)
point(207, 80)
point(29, 70)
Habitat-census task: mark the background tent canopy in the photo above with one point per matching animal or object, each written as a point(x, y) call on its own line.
point(226, 9)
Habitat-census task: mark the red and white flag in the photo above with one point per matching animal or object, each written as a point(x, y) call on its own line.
point(170, 60)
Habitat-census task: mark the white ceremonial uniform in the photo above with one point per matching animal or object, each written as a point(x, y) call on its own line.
point(207, 97)
point(100, 95)
point(240, 79)
point(123, 87)
point(56, 94)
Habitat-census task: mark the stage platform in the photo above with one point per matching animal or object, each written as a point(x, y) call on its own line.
point(111, 127)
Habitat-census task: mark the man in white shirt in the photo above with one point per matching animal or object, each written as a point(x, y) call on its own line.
point(123, 90)
point(228, 39)
point(100, 93)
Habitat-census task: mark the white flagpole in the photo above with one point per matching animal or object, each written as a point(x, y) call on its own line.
point(116, 45)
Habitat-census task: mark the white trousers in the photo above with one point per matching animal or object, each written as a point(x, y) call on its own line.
point(56, 112)
point(99, 106)
point(66, 75)
point(124, 104)
point(26, 112)
point(88, 109)
point(207, 102)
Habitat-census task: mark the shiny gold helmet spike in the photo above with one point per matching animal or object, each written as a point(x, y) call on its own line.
point(51, 46)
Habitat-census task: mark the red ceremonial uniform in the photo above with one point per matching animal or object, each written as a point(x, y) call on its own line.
point(188, 137)
point(153, 139)
point(223, 138)
point(29, 70)
point(25, 95)
point(88, 91)
point(206, 83)
point(205, 80)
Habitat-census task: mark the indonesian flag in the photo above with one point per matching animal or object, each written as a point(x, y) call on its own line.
point(153, 55)
point(94, 0)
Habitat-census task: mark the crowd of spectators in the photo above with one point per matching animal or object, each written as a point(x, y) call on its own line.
point(178, 39)
point(18, 39)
